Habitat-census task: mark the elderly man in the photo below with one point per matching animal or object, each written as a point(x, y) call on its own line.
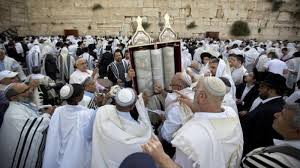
point(212, 138)
point(81, 72)
point(69, 138)
point(23, 130)
point(285, 153)
point(7, 63)
point(116, 134)
point(175, 116)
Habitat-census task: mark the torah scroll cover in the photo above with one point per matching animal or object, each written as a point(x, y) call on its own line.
point(143, 70)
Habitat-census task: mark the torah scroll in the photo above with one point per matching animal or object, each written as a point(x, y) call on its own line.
point(169, 65)
point(157, 67)
point(142, 60)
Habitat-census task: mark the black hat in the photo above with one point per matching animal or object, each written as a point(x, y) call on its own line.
point(108, 48)
point(275, 81)
point(138, 160)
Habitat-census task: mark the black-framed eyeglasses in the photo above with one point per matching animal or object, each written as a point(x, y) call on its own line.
point(24, 91)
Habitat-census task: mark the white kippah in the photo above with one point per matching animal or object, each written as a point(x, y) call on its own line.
point(215, 86)
point(66, 92)
point(125, 97)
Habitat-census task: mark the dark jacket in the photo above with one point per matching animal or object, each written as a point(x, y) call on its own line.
point(248, 99)
point(257, 125)
point(106, 59)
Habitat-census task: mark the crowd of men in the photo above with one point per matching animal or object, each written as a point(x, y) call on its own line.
point(69, 102)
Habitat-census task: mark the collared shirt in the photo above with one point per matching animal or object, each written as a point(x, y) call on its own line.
point(269, 99)
point(293, 143)
point(246, 91)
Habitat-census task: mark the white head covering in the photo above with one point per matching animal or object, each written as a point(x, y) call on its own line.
point(214, 86)
point(66, 91)
point(125, 97)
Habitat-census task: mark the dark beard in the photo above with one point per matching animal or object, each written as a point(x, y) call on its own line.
point(263, 97)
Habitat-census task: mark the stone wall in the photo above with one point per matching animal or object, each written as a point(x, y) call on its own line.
point(51, 17)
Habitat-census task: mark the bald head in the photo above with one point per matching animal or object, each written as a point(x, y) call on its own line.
point(17, 91)
point(180, 81)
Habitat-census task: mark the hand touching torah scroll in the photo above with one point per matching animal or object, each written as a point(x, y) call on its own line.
point(169, 65)
point(157, 67)
point(143, 70)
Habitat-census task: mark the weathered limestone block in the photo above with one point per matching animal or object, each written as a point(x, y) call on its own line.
point(284, 16)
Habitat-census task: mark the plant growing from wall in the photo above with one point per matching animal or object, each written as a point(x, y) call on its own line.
point(191, 25)
point(90, 27)
point(240, 28)
point(97, 7)
point(259, 30)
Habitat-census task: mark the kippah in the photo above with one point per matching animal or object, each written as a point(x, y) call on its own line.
point(215, 86)
point(125, 97)
point(66, 92)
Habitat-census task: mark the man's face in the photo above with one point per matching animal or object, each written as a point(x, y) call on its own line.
point(263, 91)
point(282, 122)
point(82, 65)
point(213, 68)
point(127, 56)
point(7, 81)
point(177, 84)
point(118, 56)
point(25, 92)
point(234, 62)
point(249, 78)
point(205, 60)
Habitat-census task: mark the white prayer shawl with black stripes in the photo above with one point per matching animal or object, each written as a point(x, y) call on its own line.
point(88, 100)
point(115, 70)
point(23, 135)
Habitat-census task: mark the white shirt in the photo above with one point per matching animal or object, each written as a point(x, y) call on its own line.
point(246, 91)
point(276, 66)
point(172, 123)
point(79, 76)
point(238, 74)
point(255, 103)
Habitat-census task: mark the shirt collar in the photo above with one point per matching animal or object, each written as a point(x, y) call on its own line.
point(293, 143)
point(269, 99)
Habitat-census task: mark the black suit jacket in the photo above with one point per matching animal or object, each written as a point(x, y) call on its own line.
point(257, 125)
point(249, 98)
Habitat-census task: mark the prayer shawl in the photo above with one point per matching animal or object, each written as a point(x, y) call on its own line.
point(69, 139)
point(90, 60)
point(115, 70)
point(223, 70)
point(88, 100)
point(218, 142)
point(66, 64)
point(34, 58)
point(114, 137)
point(293, 67)
point(12, 65)
point(23, 135)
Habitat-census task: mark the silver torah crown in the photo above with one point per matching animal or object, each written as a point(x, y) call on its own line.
point(140, 37)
